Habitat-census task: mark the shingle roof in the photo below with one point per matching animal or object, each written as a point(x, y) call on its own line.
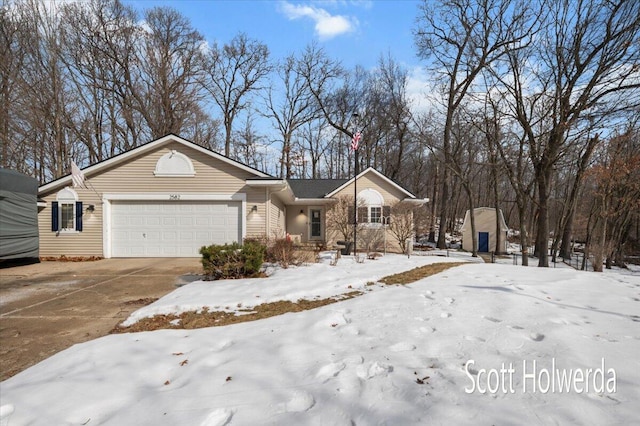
point(314, 188)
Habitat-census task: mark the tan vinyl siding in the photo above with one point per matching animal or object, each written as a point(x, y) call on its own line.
point(297, 223)
point(213, 176)
point(277, 218)
point(390, 193)
point(84, 244)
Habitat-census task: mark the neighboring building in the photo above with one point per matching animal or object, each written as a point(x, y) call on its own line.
point(18, 215)
point(170, 197)
point(485, 218)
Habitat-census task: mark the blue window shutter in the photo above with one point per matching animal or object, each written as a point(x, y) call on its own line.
point(54, 217)
point(79, 216)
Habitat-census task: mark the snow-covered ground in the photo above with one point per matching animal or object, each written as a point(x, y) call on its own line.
point(397, 355)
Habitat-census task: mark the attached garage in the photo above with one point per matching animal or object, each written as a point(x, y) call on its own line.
point(172, 228)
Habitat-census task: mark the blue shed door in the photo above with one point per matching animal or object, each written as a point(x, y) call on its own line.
point(483, 242)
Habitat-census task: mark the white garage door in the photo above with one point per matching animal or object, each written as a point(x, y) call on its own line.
point(172, 228)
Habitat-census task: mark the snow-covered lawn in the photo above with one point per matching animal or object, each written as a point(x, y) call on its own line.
point(397, 355)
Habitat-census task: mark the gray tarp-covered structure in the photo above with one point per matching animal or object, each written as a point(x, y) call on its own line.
point(18, 215)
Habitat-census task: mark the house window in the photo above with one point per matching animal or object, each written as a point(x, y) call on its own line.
point(372, 209)
point(174, 164)
point(67, 217)
point(66, 212)
point(375, 214)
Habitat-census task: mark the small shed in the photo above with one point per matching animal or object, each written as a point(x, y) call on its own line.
point(18, 216)
point(485, 218)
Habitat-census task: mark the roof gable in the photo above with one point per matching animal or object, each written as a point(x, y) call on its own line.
point(479, 212)
point(127, 155)
point(377, 173)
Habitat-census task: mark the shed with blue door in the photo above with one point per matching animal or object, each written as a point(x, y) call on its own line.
point(489, 228)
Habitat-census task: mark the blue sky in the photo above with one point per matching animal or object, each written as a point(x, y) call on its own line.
point(356, 32)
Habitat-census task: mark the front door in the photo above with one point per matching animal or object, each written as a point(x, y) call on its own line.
point(483, 242)
point(316, 224)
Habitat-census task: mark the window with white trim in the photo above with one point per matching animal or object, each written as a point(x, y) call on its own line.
point(375, 214)
point(174, 164)
point(66, 212)
point(371, 208)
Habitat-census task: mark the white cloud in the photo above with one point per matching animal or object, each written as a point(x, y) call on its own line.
point(421, 91)
point(326, 25)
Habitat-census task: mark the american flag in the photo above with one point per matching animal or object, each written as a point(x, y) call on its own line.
point(77, 177)
point(355, 141)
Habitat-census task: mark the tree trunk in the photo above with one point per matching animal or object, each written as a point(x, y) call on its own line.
point(472, 217)
point(434, 200)
point(524, 236)
point(227, 138)
point(542, 235)
point(442, 244)
point(598, 253)
point(496, 206)
point(566, 246)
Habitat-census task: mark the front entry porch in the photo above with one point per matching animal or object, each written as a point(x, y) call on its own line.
point(307, 224)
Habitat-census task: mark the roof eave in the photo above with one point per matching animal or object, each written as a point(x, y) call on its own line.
point(66, 180)
point(273, 183)
point(362, 173)
point(416, 201)
point(309, 201)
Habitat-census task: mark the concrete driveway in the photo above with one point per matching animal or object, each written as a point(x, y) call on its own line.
point(50, 306)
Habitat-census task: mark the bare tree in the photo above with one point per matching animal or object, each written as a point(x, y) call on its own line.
point(48, 100)
point(464, 38)
point(582, 163)
point(337, 94)
point(313, 144)
point(392, 116)
point(583, 67)
point(291, 111)
point(616, 195)
point(248, 141)
point(233, 72)
point(171, 69)
point(401, 223)
point(341, 217)
point(92, 73)
point(14, 45)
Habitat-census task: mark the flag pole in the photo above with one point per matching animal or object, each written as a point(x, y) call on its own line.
point(354, 144)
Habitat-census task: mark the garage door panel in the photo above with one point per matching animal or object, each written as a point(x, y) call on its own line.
point(186, 221)
point(169, 221)
point(204, 235)
point(172, 229)
point(152, 236)
point(153, 221)
point(203, 221)
point(170, 237)
point(219, 220)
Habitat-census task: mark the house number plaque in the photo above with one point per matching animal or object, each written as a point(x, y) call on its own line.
point(174, 197)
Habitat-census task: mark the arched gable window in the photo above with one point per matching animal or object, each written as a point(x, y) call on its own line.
point(174, 164)
point(66, 212)
point(371, 207)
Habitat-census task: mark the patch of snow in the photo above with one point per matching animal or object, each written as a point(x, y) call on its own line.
point(392, 358)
